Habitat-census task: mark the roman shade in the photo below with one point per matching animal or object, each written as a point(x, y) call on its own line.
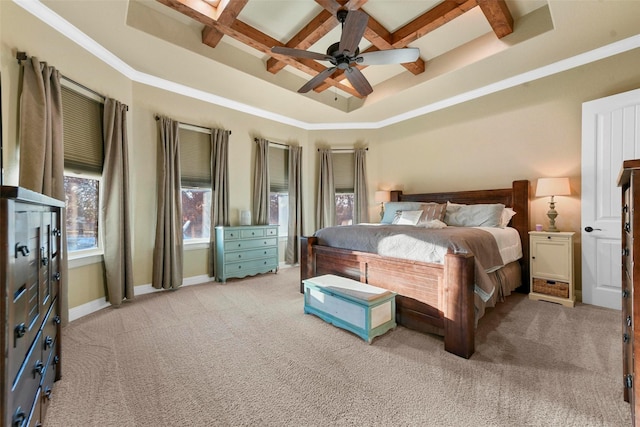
point(195, 158)
point(82, 123)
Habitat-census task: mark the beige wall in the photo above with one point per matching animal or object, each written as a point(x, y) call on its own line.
point(529, 131)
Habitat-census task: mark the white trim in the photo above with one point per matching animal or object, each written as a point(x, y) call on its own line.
point(87, 259)
point(88, 308)
point(39, 10)
point(100, 303)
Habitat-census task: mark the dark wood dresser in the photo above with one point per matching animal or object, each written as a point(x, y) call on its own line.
point(31, 255)
point(629, 181)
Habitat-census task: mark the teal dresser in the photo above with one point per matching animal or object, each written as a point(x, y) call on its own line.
point(245, 251)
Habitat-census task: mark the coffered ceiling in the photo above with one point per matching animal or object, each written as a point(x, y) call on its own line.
point(219, 50)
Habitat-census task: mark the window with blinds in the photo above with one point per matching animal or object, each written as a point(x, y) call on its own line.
point(82, 131)
point(195, 158)
point(195, 179)
point(279, 188)
point(344, 184)
point(83, 160)
point(343, 172)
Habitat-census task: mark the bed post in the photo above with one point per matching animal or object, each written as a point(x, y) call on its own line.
point(521, 200)
point(307, 263)
point(459, 312)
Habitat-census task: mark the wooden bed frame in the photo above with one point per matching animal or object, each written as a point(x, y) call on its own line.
point(430, 296)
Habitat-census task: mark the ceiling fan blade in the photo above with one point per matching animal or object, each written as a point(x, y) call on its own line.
point(299, 53)
point(358, 81)
point(390, 56)
point(315, 82)
point(353, 30)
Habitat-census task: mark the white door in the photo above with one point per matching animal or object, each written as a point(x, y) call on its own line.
point(610, 134)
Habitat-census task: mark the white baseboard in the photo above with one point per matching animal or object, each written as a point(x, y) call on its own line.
point(100, 303)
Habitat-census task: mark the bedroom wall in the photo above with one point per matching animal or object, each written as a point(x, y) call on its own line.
point(21, 31)
point(527, 132)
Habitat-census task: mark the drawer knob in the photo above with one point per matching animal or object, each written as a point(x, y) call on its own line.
point(48, 342)
point(18, 417)
point(20, 330)
point(625, 293)
point(38, 368)
point(56, 360)
point(627, 227)
point(239, 255)
point(22, 250)
point(56, 232)
point(56, 320)
point(625, 338)
point(625, 252)
point(47, 393)
point(629, 321)
point(239, 267)
point(628, 381)
point(56, 277)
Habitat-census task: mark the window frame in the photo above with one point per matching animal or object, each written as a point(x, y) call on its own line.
point(92, 255)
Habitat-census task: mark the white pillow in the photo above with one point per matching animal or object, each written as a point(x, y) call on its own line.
point(507, 214)
point(407, 218)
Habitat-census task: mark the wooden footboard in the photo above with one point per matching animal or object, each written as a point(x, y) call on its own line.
point(430, 296)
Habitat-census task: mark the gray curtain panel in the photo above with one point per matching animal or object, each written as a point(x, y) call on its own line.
point(219, 188)
point(116, 221)
point(167, 253)
point(360, 193)
point(295, 205)
point(326, 207)
point(42, 146)
point(260, 208)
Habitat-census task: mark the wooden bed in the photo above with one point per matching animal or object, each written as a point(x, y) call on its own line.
point(430, 296)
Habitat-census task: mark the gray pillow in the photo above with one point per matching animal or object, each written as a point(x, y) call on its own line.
point(480, 215)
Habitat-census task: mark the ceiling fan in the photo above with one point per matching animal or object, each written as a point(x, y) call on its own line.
point(345, 54)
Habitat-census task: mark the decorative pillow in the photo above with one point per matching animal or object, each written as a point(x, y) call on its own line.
point(432, 211)
point(507, 214)
point(435, 223)
point(390, 209)
point(407, 217)
point(480, 215)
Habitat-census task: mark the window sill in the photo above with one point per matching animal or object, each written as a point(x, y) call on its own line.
point(196, 244)
point(80, 259)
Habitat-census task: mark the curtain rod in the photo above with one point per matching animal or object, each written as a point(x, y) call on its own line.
point(22, 56)
point(346, 149)
point(272, 142)
point(189, 124)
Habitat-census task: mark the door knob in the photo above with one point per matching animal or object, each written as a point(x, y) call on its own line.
point(590, 229)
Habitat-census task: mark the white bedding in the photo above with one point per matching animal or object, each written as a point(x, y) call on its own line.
point(508, 241)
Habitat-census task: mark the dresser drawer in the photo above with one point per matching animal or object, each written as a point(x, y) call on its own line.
point(28, 381)
point(251, 254)
point(244, 267)
point(252, 232)
point(250, 244)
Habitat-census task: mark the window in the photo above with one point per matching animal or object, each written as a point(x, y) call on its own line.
point(279, 188)
point(83, 159)
point(195, 166)
point(344, 178)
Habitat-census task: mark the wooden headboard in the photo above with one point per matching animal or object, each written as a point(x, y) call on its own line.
point(517, 197)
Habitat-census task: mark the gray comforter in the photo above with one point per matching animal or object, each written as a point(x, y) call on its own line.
point(421, 244)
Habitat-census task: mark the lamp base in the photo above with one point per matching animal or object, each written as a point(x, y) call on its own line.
point(552, 214)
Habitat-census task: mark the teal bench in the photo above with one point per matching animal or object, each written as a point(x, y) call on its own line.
point(365, 310)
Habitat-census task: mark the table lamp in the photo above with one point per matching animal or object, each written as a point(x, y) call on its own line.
point(553, 187)
point(381, 197)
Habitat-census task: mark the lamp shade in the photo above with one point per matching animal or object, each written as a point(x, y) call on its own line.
point(553, 187)
point(382, 196)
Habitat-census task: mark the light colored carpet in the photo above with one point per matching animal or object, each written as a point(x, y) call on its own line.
point(245, 354)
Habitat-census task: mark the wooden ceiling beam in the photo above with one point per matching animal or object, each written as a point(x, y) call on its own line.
point(227, 13)
point(306, 37)
point(498, 15)
point(205, 14)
